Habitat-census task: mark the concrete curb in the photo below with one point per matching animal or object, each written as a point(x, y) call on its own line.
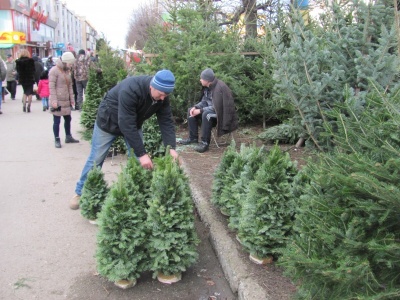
point(235, 272)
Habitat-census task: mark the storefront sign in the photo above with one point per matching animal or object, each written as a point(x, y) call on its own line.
point(12, 37)
point(38, 16)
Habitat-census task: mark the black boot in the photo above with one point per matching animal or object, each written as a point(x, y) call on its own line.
point(58, 143)
point(29, 108)
point(188, 141)
point(70, 139)
point(23, 107)
point(201, 147)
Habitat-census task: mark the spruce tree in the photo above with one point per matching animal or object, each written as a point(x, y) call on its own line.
point(173, 238)
point(346, 46)
point(94, 193)
point(267, 214)
point(346, 233)
point(123, 233)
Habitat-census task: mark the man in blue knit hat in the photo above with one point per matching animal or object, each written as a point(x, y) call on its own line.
point(122, 112)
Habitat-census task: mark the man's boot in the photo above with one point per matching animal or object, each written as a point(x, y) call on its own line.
point(201, 147)
point(58, 143)
point(70, 139)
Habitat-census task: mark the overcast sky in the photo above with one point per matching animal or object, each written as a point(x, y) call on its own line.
point(108, 17)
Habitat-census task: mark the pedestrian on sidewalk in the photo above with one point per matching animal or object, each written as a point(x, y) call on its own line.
point(62, 97)
point(43, 89)
point(3, 71)
point(11, 78)
point(26, 77)
point(122, 112)
point(81, 74)
point(39, 68)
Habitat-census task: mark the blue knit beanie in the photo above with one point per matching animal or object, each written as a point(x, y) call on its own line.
point(164, 81)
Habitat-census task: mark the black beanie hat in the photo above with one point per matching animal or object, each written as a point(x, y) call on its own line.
point(81, 52)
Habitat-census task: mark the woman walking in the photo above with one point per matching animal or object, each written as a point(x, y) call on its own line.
point(26, 77)
point(62, 97)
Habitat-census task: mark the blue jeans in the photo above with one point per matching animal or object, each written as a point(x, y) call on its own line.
point(101, 143)
point(45, 102)
point(80, 88)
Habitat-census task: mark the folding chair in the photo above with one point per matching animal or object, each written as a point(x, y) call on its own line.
point(214, 135)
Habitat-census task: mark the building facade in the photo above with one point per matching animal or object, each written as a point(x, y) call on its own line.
point(44, 27)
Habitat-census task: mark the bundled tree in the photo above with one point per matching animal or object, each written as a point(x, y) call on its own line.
point(267, 215)
point(122, 239)
point(94, 194)
point(347, 225)
point(173, 239)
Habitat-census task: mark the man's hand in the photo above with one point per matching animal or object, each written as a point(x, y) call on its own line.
point(174, 154)
point(146, 162)
point(194, 111)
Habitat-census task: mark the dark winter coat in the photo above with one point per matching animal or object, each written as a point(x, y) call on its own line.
point(60, 83)
point(127, 105)
point(3, 70)
point(38, 69)
point(26, 70)
point(224, 106)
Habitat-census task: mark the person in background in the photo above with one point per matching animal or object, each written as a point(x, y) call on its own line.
point(81, 74)
point(38, 72)
point(11, 76)
point(43, 89)
point(49, 63)
point(74, 82)
point(3, 73)
point(122, 112)
point(26, 77)
point(216, 108)
point(62, 97)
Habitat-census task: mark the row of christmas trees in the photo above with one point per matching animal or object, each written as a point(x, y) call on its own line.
point(146, 222)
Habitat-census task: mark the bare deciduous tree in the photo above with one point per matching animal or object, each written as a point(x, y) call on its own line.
point(142, 18)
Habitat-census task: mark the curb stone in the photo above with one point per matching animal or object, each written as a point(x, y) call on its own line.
point(227, 253)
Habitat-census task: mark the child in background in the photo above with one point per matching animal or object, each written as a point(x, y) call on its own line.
point(43, 89)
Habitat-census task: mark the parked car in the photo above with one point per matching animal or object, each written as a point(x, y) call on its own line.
point(44, 60)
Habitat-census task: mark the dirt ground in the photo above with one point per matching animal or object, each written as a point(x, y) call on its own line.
point(202, 166)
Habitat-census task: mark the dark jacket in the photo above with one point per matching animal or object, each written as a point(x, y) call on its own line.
point(26, 70)
point(38, 69)
point(127, 105)
point(224, 106)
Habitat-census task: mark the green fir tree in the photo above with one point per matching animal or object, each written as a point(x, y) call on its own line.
point(346, 233)
point(94, 194)
point(253, 157)
point(219, 180)
point(267, 215)
point(173, 238)
point(123, 233)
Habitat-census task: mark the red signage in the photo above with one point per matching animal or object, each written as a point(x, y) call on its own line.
point(39, 16)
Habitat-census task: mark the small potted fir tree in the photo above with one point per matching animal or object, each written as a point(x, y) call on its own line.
point(122, 239)
point(267, 214)
point(94, 194)
point(173, 238)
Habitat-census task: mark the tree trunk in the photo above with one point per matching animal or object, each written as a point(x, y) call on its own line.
point(250, 18)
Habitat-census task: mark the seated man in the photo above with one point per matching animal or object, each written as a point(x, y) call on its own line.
point(216, 108)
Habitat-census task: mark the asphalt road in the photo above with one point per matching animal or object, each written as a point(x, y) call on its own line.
point(46, 249)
